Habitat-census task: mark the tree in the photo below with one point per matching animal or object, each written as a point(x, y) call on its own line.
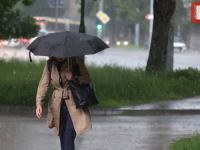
point(163, 12)
point(12, 24)
point(132, 12)
point(123, 15)
point(41, 8)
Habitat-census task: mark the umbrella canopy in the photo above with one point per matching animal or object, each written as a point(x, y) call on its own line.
point(66, 44)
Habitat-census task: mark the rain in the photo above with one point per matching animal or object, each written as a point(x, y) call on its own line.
point(139, 61)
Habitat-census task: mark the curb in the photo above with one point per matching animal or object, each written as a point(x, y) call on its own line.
point(162, 112)
point(32, 110)
point(169, 143)
point(100, 112)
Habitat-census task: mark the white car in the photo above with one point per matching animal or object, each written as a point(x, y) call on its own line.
point(11, 43)
point(179, 44)
point(26, 42)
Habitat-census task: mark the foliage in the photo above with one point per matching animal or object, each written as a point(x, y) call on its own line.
point(130, 12)
point(127, 12)
point(114, 86)
point(187, 143)
point(12, 24)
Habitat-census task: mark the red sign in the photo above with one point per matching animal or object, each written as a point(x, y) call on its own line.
point(195, 12)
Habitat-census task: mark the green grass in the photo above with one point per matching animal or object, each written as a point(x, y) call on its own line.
point(114, 86)
point(187, 143)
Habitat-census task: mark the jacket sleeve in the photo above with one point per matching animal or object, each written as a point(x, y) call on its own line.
point(84, 77)
point(43, 86)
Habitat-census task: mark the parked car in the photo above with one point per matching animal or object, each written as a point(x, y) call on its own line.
point(26, 42)
point(21, 41)
point(179, 44)
point(10, 43)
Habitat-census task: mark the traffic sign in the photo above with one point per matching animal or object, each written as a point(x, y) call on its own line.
point(103, 17)
point(149, 16)
point(52, 3)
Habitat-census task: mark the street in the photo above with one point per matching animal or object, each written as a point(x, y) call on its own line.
point(26, 132)
point(131, 59)
point(138, 58)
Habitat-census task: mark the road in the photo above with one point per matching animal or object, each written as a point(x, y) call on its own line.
point(130, 59)
point(26, 132)
point(138, 58)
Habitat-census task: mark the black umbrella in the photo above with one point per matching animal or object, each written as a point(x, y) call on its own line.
point(66, 44)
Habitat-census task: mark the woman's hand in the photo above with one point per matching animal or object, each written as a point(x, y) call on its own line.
point(39, 111)
point(69, 76)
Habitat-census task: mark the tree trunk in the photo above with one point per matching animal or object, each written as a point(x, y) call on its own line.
point(163, 12)
point(170, 47)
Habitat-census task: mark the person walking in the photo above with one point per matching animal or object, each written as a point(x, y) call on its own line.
point(68, 120)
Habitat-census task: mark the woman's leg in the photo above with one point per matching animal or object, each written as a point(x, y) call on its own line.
point(67, 132)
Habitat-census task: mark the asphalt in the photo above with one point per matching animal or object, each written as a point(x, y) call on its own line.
point(126, 118)
point(27, 132)
point(126, 58)
point(171, 107)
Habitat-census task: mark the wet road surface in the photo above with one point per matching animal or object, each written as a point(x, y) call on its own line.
point(26, 132)
point(184, 104)
point(131, 59)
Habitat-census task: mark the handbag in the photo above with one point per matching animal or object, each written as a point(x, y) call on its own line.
point(83, 95)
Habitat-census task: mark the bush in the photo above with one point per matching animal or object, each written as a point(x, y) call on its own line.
point(114, 86)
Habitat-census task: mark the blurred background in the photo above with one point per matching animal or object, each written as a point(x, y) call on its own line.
point(152, 57)
point(124, 26)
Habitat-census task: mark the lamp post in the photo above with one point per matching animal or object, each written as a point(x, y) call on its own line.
point(82, 22)
point(56, 24)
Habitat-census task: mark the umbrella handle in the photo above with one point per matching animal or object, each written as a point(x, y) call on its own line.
point(68, 63)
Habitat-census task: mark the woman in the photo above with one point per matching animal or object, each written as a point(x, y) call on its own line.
point(62, 113)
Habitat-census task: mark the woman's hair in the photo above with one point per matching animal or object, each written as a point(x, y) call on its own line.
point(52, 58)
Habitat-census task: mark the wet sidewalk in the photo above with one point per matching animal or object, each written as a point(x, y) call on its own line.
point(27, 132)
point(184, 106)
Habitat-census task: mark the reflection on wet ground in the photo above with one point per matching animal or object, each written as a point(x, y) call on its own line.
point(26, 132)
point(185, 104)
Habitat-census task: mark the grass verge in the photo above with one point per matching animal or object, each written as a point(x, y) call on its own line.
point(114, 86)
point(187, 143)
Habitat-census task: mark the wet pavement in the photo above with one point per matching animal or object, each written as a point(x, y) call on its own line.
point(26, 132)
point(126, 58)
point(138, 58)
point(185, 104)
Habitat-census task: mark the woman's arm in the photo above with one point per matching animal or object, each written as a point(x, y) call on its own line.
point(84, 77)
point(43, 86)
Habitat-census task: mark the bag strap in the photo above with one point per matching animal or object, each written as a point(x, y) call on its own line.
point(49, 63)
